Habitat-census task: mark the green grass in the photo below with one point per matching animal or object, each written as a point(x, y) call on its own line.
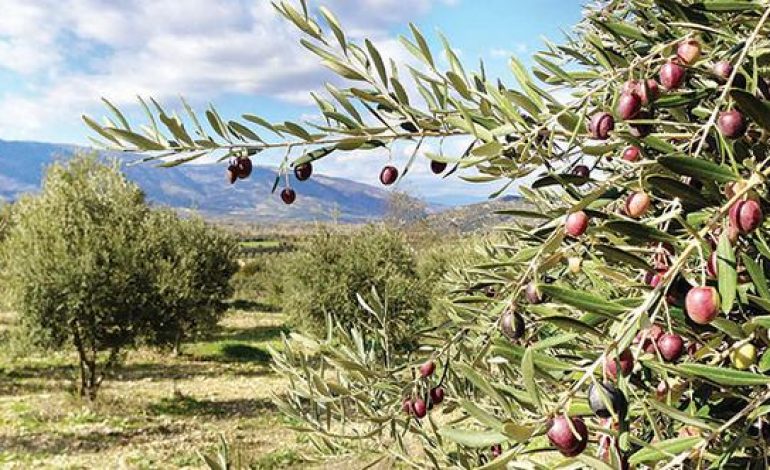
point(260, 244)
point(156, 410)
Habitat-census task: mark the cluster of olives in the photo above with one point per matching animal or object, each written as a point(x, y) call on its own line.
point(418, 406)
point(701, 303)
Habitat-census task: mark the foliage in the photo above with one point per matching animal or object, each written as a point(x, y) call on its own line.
point(192, 264)
point(438, 264)
point(696, 163)
point(327, 273)
point(77, 266)
point(260, 279)
point(89, 264)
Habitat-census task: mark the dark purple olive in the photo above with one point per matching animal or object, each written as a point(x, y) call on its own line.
point(581, 171)
point(436, 395)
point(232, 174)
point(288, 195)
point(243, 167)
point(302, 172)
point(512, 325)
point(640, 130)
point(629, 106)
point(561, 436)
point(732, 124)
point(671, 75)
point(599, 396)
point(437, 167)
point(388, 175)
point(601, 125)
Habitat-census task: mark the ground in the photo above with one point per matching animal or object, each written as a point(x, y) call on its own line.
point(158, 410)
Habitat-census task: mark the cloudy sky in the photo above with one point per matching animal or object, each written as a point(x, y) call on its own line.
point(58, 57)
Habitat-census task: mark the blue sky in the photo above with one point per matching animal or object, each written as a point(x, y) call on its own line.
point(237, 54)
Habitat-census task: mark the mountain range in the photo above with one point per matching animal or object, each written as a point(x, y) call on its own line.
point(203, 188)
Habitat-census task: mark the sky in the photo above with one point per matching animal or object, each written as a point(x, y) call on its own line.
point(58, 57)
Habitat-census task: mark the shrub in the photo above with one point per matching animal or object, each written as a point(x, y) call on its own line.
point(325, 275)
point(77, 264)
point(192, 264)
point(260, 280)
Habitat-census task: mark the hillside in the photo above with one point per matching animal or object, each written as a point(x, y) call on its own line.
point(474, 217)
point(203, 188)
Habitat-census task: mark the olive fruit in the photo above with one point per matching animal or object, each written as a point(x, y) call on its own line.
point(437, 167)
point(746, 216)
point(388, 175)
point(601, 125)
point(581, 171)
point(671, 346)
point(512, 325)
point(732, 124)
point(688, 51)
point(244, 167)
point(232, 174)
point(743, 356)
point(671, 75)
point(576, 224)
point(605, 400)
point(631, 154)
point(711, 265)
point(288, 196)
point(436, 395)
point(702, 304)
point(427, 369)
point(419, 408)
point(562, 437)
point(302, 172)
point(629, 106)
point(637, 204)
point(533, 294)
point(723, 69)
point(626, 361)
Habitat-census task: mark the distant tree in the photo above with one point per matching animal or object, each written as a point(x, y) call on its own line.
point(5, 217)
point(89, 264)
point(192, 266)
point(77, 264)
point(403, 209)
point(326, 275)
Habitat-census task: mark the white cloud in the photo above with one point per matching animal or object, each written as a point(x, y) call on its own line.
point(502, 53)
point(70, 52)
point(198, 48)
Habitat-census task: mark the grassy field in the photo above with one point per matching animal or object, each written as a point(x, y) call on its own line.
point(260, 244)
point(157, 410)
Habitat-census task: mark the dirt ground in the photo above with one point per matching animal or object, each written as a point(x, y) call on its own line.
point(158, 410)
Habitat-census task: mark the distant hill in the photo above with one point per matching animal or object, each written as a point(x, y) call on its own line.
point(474, 217)
point(203, 188)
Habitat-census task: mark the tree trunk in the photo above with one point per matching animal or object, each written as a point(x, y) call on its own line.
point(178, 343)
point(88, 373)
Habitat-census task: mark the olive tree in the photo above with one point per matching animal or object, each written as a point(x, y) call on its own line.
point(624, 320)
point(77, 266)
point(331, 271)
point(192, 264)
